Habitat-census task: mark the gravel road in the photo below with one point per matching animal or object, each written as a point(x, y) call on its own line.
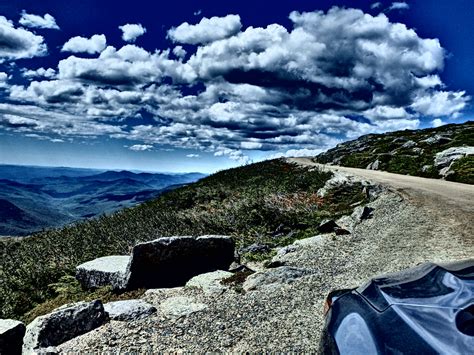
point(414, 221)
point(451, 202)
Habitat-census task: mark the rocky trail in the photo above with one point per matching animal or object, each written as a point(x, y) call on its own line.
point(280, 308)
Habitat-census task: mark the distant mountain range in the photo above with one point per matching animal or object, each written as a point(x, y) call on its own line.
point(35, 198)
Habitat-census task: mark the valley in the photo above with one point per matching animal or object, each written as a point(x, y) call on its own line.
point(37, 198)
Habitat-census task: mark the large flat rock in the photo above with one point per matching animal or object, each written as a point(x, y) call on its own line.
point(11, 336)
point(172, 261)
point(108, 270)
point(63, 324)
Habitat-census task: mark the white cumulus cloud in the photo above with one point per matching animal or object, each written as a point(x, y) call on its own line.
point(78, 44)
point(49, 73)
point(130, 32)
point(37, 21)
point(207, 30)
point(376, 5)
point(399, 5)
point(18, 43)
point(441, 103)
point(437, 122)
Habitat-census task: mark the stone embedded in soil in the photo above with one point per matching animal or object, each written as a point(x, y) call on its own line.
point(341, 231)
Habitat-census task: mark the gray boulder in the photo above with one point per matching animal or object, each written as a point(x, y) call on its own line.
point(372, 191)
point(171, 262)
point(275, 276)
point(444, 159)
point(63, 324)
point(11, 336)
point(409, 144)
point(336, 181)
point(108, 270)
point(437, 139)
point(375, 165)
point(129, 310)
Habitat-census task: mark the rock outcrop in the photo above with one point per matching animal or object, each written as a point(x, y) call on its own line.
point(170, 262)
point(63, 324)
point(11, 336)
point(444, 159)
point(437, 139)
point(108, 270)
point(408, 144)
point(336, 181)
point(129, 310)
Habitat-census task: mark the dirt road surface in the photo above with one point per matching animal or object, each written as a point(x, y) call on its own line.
point(451, 202)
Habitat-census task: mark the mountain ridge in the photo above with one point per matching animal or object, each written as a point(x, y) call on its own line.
point(445, 152)
point(68, 195)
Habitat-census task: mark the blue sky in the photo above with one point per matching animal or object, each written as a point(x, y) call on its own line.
point(205, 85)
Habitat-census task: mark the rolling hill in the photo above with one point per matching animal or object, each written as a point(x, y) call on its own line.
point(37, 198)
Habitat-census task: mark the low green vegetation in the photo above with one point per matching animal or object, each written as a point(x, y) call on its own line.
point(272, 203)
point(237, 280)
point(463, 170)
